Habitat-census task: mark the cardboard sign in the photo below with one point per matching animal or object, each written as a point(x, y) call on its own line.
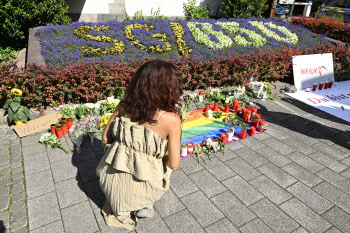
point(37, 125)
point(335, 101)
point(314, 68)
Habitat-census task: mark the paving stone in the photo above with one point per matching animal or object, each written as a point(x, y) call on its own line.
point(323, 138)
point(275, 133)
point(18, 224)
point(302, 174)
point(333, 230)
point(335, 179)
point(183, 222)
point(17, 189)
point(5, 183)
point(4, 203)
point(70, 192)
point(17, 205)
point(4, 191)
point(310, 220)
point(299, 146)
point(30, 140)
point(334, 195)
point(18, 176)
point(55, 227)
point(19, 197)
point(278, 146)
point(5, 177)
point(29, 151)
point(219, 169)
point(305, 162)
point(255, 226)
point(36, 163)
point(274, 157)
point(233, 208)
point(155, 224)
point(346, 173)
point(3, 166)
point(181, 184)
point(241, 189)
point(223, 225)
point(310, 198)
point(207, 183)
point(5, 155)
point(275, 218)
point(338, 218)
point(321, 158)
point(235, 146)
point(4, 161)
point(39, 183)
point(63, 170)
point(107, 229)
point(253, 143)
point(4, 215)
point(346, 161)
point(16, 165)
point(277, 175)
point(243, 169)
point(270, 190)
point(84, 223)
point(95, 194)
point(43, 210)
point(304, 138)
point(262, 136)
point(5, 171)
point(228, 154)
point(337, 166)
point(87, 169)
point(251, 157)
point(4, 226)
point(332, 152)
point(202, 209)
point(190, 165)
point(168, 204)
point(86, 153)
point(300, 230)
point(57, 155)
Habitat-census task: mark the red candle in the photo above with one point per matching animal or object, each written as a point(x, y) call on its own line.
point(326, 84)
point(227, 108)
point(314, 86)
point(243, 111)
point(258, 116)
point(254, 110)
point(243, 133)
point(248, 113)
point(69, 123)
point(201, 93)
point(308, 88)
point(320, 86)
point(245, 118)
point(224, 137)
point(330, 84)
point(190, 148)
point(255, 123)
point(64, 128)
point(207, 106)
point(252, 131)
point(235, 102)
point(59, 132)
point(216, 107)
point(261, 125)
point(53, 128)
point(237, 108)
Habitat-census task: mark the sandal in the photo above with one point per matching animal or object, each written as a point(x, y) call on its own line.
point(145, 213)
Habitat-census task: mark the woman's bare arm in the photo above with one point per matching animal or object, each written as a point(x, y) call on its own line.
point(172, 160)
point(107, 137)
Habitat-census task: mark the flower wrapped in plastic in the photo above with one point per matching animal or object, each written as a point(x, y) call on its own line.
point(76, 134)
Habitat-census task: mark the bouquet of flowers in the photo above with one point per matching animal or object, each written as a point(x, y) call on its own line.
point(76, 134)
point(52, 141)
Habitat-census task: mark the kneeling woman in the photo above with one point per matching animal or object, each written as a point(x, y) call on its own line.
point(145, 132)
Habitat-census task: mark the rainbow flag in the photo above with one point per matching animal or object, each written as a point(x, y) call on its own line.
point(198, 128)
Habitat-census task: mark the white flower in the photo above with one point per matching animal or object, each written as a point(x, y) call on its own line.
point(97, 105)
point(89, 105)
point(110, 99)
point(44, 136)
point(214, 90)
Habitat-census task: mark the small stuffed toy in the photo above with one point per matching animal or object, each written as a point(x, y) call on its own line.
point(211, 144)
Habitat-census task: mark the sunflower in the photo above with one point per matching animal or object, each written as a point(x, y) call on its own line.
point(266, 83)
point(17, 92)
point(104, 120)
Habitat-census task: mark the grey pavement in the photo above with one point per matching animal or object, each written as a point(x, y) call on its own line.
point(294, 177)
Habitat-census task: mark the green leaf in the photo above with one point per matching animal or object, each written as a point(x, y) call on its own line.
point(14, 106)
point(8, 102)
point(17, 99)
point(10, 115)
point(26, 111)
point(22, 116)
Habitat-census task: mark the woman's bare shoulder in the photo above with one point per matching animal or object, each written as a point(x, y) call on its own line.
point(171, 118)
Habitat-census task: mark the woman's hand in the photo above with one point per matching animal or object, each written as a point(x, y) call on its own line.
point(107, 136)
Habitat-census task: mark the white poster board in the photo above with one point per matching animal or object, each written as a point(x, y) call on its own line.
point(314, 68)
point(335, 101)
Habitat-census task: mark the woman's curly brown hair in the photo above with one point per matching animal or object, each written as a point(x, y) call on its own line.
point(155, 85)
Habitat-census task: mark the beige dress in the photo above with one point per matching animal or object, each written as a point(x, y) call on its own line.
point(132, 174)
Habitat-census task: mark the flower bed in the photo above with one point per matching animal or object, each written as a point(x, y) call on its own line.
point(90, 82)
point(199, 39)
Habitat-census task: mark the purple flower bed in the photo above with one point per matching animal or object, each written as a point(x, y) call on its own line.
point(60, 47)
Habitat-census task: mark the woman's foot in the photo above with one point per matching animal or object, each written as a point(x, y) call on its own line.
point(145, 213)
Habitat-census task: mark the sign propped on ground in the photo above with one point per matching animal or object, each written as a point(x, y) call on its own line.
point(37, 125)
point(314, 68)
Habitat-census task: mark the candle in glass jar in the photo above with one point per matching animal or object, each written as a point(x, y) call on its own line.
point(330, 84)
point(237, 108)
point(254, 110)
point(59, 132)
point(190, 148)
point(207, 107)
point(252, 131)
point(224, 138)
point(243, 133)
point(261, 125)
point(320, 86)
point(235, 102)
point(53, 128)
point(216, 107)
point(227, 108)
point(183, 149)
point(314, 86)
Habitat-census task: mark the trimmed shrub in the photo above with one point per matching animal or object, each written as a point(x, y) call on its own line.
point(328, 27)
point(244, 8)
point(92, 81)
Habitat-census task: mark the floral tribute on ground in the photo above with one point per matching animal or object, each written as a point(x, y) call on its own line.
point(200, 39)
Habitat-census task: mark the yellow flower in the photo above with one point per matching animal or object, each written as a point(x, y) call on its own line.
point(266, 83)
point(16, 91)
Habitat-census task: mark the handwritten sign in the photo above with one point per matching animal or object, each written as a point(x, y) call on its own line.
point(37, 125)
point(314, 68)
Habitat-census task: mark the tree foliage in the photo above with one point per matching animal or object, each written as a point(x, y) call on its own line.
point(244, 8)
